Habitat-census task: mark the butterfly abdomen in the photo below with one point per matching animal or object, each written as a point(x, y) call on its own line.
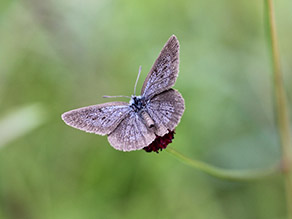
point(147, 119)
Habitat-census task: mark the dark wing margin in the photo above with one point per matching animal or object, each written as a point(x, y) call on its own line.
point(100, 119)
point(164, 72)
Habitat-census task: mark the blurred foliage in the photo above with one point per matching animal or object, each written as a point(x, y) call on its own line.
point(68, 54)
point(19, 122)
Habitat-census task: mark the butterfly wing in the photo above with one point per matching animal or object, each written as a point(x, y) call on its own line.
point(100, 119)
point(166, 110)
point(131, 134)
point(164, 72)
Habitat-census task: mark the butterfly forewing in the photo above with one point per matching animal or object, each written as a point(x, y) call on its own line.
point(131, 134)
point(166, 109)
point(100, 119)
point(164, 72)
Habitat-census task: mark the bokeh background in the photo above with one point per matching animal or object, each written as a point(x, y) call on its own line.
point(59, 55)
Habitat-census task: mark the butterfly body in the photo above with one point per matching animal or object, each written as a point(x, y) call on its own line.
point(137, 103)
point(134, 125)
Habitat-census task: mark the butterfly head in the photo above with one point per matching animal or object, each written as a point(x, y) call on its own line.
point(137, 103)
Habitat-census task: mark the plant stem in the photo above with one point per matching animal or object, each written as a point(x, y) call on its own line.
point(281, 106)
point(234, 175)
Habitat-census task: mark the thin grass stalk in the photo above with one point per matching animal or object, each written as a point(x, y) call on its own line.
point(283, 120)
point(231, 175)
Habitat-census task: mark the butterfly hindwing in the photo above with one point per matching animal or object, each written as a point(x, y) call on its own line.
point(131, 134)
point(100, 119)
point(166, 109)
point(164, 72)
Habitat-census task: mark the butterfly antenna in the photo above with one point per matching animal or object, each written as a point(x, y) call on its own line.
point(137, 80)
point(116, 96)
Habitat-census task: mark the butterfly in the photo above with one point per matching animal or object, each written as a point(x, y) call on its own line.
point(134, 125)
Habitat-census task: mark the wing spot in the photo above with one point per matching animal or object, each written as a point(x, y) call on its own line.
point(103, 118)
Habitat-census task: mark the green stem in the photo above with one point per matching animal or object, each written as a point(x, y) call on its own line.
point(281, 106)
point(234, 175)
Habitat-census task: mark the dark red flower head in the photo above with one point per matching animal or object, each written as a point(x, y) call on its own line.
point(160, 142)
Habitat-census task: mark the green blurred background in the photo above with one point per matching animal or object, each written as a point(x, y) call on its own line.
point(59, 55)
